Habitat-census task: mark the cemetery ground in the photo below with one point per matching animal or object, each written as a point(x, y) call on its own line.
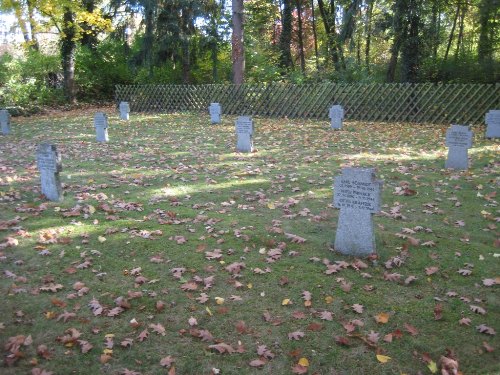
point(172, 253)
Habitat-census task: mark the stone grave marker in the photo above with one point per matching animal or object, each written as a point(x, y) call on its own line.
point(336, 115)
point(49, 164)
point(124, 111)
point(5, 121)
point(458, 140)
point(101, 127)
point(493, 124)
point(244, 132)
point(215, 112)
point(357, 194)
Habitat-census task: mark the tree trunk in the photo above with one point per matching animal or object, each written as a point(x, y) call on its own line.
point(460, 37)
point(487, 9)
point(33, 26)
point(328, 17)
point(238, 49)
point(68, 49)
point(301, 40)
point(285, 40)
point(434, 29)
point(411, 48)
point(400, 30)
point(148, 37)
point(452, 32)
point(315, 36)
point(368, 32)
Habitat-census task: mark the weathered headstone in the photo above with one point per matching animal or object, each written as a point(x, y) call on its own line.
point(215, 112)
point(101, 127)
point(336, 115)
point(244, 132)
point(5, 121)
point(49, 164)
point(357, 194)
point(458, 140)
point(493, 124)
point(124, 111)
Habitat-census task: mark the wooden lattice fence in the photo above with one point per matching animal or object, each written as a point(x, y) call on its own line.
point(426, 102)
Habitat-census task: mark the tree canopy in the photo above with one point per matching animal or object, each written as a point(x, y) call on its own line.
point(221, 41)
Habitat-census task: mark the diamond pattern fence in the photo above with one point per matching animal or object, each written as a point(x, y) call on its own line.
point(418, 103)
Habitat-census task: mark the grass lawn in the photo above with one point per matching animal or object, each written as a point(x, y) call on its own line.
point(173, 254)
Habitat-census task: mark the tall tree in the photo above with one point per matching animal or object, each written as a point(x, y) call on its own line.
point(329, 21)
point(411, 45)
point(68, 50)
point(399, 29)
point(368, 32)
point(300, 37)
point(286, 35)
point(238, 49)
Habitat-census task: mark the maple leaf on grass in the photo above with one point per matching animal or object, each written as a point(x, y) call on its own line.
point(341, 340)
point(158, 328)
point(143, 335)
point(411, 329)
point(294, 238)
point(222, 348)
point(257, 363)
point(299, 369)
point(297, 335)
point(483, 328)
point(85, 346)
point(326, 315)
point(358, 308)
point(167, 361)
point(65, 316)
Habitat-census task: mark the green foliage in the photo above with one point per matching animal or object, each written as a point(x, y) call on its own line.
point(24, 82)
point(97, 72)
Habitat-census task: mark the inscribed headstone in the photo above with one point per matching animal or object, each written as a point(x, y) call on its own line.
point(49, 164)
point(357, 194)
point(215, 112)
point(124, 111)
point(101, 127)
point(493, 124)
point(458, 140)
point(336, 115)
point(244, 132)
point(5, 121)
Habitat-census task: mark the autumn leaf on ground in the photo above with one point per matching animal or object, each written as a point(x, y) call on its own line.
point(383, 358)
point(438, 311)
point(167, 361)
point(483, 328)
point(257, 363)
point(382, 318)
point(299, 369)
point(357, 308)
point(297, 335)
point(411, 329)
point(158, 328)
point(223, 348)
point(326, 315)
point(294, 238)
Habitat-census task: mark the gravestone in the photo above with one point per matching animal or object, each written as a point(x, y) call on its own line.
point(357, 194)
point(49, 164)
point(5, 121)
point(101, 127)
point(244, 132)
point(493, 124)
point(458, 140)
point(124, 111)
point(215, 112)
point(336, 115)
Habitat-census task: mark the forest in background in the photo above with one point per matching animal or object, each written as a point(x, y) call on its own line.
point(99, 44)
